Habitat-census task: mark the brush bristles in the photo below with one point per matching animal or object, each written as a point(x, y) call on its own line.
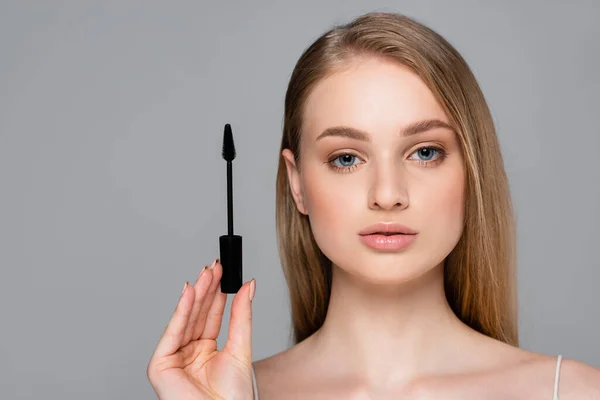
point(228, 146)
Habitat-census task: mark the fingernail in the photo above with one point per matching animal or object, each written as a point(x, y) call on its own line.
point(252, 289)
point(184, 287)
point(213, 263)
point(202, 272)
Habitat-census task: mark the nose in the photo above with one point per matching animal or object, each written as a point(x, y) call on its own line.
point(389, 189)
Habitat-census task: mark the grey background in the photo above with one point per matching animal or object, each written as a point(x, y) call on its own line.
point(113, 190)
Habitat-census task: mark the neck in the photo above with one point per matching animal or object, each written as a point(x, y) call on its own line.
point(389, 334)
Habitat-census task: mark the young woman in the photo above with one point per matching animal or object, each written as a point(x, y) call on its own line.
point(396, 236)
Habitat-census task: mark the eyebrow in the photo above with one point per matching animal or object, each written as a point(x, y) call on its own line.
point(410, 130)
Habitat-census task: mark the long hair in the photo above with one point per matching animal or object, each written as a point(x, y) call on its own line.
point(480, 272)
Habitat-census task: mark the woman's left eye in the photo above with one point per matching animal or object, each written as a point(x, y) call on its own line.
point(428, 154)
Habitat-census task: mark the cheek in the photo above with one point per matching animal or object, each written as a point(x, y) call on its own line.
point(333, 205)
point(441, 209)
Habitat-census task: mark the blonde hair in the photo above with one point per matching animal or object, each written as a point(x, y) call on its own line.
point(480, 272)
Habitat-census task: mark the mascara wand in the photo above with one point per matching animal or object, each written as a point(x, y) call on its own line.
point(230, 245)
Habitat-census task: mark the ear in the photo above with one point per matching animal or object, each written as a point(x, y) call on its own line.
point(294, 180)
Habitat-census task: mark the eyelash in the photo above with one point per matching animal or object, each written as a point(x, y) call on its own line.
point(429, 163)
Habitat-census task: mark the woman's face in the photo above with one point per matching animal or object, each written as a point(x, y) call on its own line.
point(381, 170)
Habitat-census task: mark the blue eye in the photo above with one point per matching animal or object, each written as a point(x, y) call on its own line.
point(345, 160)
point(427, 153)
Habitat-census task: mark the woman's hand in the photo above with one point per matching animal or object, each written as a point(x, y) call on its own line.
point(186, 363)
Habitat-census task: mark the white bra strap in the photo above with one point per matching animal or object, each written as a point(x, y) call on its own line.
point(254, 385)
point(557, 376)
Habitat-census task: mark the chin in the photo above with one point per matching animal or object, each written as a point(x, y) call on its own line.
point(387, 269)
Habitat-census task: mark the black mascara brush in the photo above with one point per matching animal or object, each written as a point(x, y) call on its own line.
point(230, 245)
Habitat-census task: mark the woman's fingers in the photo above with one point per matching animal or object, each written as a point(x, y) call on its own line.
point(201, 286)
point(215, 316)
point(199, 314)
point(172, 338)
point(239, 340)
point(200, 323)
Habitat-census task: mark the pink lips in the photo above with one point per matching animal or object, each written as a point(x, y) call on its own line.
point(387, 236)
point(384, 242)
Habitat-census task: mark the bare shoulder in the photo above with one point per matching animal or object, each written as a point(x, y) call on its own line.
point(535, 376)
point(281, 373)
point(578, 380)
point(297, 373)
point(268, 367)
point(517, 373)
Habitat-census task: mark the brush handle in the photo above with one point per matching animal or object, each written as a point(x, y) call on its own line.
point(231, 259)
point(229, 199)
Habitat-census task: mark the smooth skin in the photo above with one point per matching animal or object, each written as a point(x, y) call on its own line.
point(186, 363)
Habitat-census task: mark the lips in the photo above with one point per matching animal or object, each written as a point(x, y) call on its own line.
point(387, 229)
point(387, 243)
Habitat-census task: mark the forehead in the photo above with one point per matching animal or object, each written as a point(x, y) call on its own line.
point(373, 95)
